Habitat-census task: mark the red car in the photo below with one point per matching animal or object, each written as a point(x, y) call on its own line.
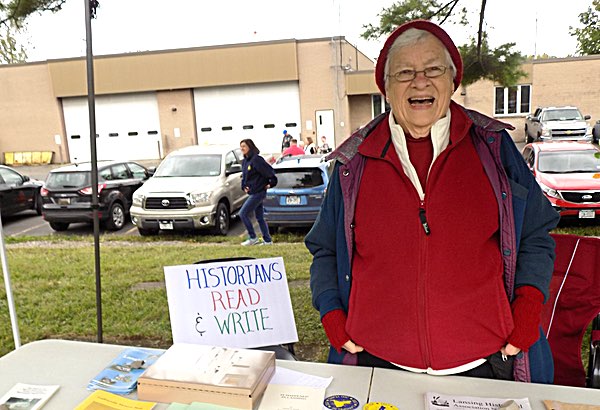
point(569, 174)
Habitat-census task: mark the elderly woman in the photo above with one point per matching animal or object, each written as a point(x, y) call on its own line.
point(447, 272)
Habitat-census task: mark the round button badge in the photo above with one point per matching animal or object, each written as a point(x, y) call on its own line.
point(341, 402)
point(376, 405)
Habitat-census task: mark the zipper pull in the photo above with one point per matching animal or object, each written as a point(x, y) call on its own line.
point(423, 219)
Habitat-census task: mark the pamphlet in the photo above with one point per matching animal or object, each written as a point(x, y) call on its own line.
point(103, 400)
point(286, 397)
point(199, 406)
point(437, 401)
point(121, 375)
point(28, 396)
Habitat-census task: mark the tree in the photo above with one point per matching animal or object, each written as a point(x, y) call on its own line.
point(502, 64)
point(588, 37)
point(13, 15)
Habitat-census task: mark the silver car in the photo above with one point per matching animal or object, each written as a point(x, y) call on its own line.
point(196, 187)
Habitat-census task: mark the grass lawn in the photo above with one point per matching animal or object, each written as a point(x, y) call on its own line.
point(54, 288)
point(53, 284)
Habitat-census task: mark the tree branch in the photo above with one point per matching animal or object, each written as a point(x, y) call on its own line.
point(452, 4)
point(480, 31)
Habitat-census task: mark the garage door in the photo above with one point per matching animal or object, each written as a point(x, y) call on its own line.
point(127, 127)
point(260, 112)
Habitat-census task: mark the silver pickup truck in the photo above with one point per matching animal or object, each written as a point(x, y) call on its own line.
point(557, 123)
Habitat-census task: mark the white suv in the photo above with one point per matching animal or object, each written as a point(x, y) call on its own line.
point(196, 187)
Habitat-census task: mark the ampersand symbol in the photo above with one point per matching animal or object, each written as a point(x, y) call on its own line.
point(198, 320)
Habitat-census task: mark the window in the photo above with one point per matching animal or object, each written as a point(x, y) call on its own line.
point(137, 170)
point(512, 100)
point(230, 159)
point(378, 105)
point(10, 177)
point(120, 171)
point(299, 178)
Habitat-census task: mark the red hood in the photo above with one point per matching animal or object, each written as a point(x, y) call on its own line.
point(572, 182)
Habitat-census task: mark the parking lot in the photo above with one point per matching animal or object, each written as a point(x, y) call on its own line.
point(30, 224)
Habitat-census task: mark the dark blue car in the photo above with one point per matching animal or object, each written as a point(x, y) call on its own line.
point(301, 184)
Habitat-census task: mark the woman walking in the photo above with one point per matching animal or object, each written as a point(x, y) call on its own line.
point(257, 177)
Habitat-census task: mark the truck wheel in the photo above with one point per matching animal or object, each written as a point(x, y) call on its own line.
point(221, 220)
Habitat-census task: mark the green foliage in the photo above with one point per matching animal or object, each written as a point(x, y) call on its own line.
point(10, 51)
point(407, 10)
point(588, 37)
point(13, 15)
point(502, 64)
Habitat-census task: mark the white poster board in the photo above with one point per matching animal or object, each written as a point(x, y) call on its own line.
point(241, 304)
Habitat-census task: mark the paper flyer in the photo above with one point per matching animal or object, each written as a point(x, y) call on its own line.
point(437, 401)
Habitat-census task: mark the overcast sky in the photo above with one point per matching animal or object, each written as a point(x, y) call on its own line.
point(139, 25)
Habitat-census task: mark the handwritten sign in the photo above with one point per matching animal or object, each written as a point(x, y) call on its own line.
point(231, 304)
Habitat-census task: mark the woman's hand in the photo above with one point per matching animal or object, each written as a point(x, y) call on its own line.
point(352, 347)
point(246, 189)
point(510, 350)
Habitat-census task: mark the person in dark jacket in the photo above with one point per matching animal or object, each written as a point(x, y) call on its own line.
point(446, 272)
point(257, 177)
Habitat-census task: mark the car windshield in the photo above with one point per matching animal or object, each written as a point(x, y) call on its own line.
point(190, 166)
point(569, 161)
point(299, 178)
point(57, 180)
point(562, 115)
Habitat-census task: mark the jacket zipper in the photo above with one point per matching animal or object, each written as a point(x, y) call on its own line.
point(422, 286)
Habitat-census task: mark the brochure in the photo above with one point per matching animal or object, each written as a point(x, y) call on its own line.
point(282, 397)
point(103, 400)
point(121, 375)
point(27, 396)
point(437, 401)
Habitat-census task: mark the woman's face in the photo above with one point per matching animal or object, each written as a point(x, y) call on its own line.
point(244, 148)
point(420, 103)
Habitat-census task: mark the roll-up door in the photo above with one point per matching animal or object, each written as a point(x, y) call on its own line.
point(127, 127)
point(257, 111)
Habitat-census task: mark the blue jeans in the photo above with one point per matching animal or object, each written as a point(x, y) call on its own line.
point(255, 203)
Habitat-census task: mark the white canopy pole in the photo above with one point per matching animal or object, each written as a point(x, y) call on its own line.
point(9, 298)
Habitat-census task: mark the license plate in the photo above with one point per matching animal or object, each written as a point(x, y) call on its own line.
point(587, 213)
point(292, 200)
point(165, 224)
point(64, 201)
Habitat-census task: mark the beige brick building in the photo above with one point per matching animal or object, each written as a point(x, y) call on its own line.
point(149, 104)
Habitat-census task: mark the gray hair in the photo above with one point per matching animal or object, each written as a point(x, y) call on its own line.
point(409, 38)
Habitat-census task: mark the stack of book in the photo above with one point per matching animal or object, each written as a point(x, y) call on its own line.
point(121, 375)
point(222, 376)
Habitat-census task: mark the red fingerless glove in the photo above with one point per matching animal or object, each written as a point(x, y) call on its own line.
point(527, 311)
point(334, 323)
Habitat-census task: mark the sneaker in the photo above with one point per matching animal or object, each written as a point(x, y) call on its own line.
point(250, 241)
point(266, 243)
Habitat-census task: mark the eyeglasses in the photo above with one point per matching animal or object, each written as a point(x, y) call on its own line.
point(409, 75)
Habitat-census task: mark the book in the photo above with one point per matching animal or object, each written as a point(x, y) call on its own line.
point(28, 396)
point(103, 400)
point(122, 373)
point(437, 401)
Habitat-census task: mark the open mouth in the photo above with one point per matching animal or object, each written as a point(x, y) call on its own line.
point(421, 100)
